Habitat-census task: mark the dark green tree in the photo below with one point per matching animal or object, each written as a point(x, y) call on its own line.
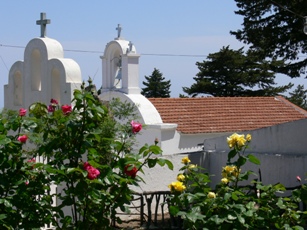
point(299, 97)
point(156, 85)
point(234, 73)
point(275, 30)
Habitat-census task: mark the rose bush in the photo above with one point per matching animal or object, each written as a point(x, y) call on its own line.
point(234, 203)
point(82, 150)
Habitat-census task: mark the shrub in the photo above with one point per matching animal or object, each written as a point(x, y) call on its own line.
point(83, 150)
point(233, 204)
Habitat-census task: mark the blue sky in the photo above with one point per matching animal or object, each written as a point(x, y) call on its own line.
point(195, 27)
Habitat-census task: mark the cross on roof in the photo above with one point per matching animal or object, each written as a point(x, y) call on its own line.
point(119, 29)
point(43, 22)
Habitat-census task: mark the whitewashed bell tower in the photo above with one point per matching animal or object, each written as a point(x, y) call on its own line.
point(120, 79)
point(119, 61)
point(43, 74)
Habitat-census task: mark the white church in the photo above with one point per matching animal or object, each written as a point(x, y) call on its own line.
point(194, 127)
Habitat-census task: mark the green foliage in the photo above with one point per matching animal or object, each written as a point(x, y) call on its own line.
point(85, 151)
point(156, 86)
point(234, 204)
point(274, 29)
point(234, 73)
point(299, 96)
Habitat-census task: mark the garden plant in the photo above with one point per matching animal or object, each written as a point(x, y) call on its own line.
point(237, 202)
point(70, 166)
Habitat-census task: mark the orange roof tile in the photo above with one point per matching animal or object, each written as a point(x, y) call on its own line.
point(226, 114)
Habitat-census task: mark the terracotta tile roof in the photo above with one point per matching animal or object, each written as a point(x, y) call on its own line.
point(226, 114)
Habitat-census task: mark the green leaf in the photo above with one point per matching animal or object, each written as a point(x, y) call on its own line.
point(7, 204)
point(99, 109)
point(152, 163)
point(234, 196)
point(4, 140)
point(295, 216)
point(194, 216)
point(298, 228)
point(280, 204)
point(216, 219)
point(143, 149)
point(253, 159)
point(227, 196)
point(232, 154)
point(2, 216)
point(169, 164)
point(155, 149)
point(231, 217)
point(249, 213)
point(162, 162)
point(174, 210)
point(241, 219)
point(241, 161)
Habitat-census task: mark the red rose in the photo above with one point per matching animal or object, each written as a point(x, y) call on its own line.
point(136, 127)
point(22, 112)
point(132, 172)
point(53, 101)
point(51, 108)
point(22, 138)
point(66, 109)
point(92, 173)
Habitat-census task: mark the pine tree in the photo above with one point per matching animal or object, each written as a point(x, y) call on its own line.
point(234, 73)
point(275, 30)
point(156, 86)
point(299, 97)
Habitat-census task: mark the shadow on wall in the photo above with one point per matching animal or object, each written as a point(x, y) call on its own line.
point(274, 168)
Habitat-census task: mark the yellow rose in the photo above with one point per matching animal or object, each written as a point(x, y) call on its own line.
point(180, 177)
point(231, 140)
point(211, 195)
point(177, 186)
point(185, 160)
point(236, 140)
point(192, 166)
point(224, 180)
point(229, 171)
point(248, 137)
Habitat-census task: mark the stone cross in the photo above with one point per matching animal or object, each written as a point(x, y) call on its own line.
point(119, 29)
point(43, 22)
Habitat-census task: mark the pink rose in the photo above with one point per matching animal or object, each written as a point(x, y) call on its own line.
point(86, 165)
point(22, 112)
point(66, 109)
point(132, 172)
point(136, 127)
point(92, 173)
point(31, 160)
point(22, 138)
point(53, 101)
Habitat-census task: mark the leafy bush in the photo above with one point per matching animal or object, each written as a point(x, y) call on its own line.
point(233, 204)
point(83, 150)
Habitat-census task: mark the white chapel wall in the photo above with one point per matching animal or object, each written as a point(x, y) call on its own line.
point(282, 150)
